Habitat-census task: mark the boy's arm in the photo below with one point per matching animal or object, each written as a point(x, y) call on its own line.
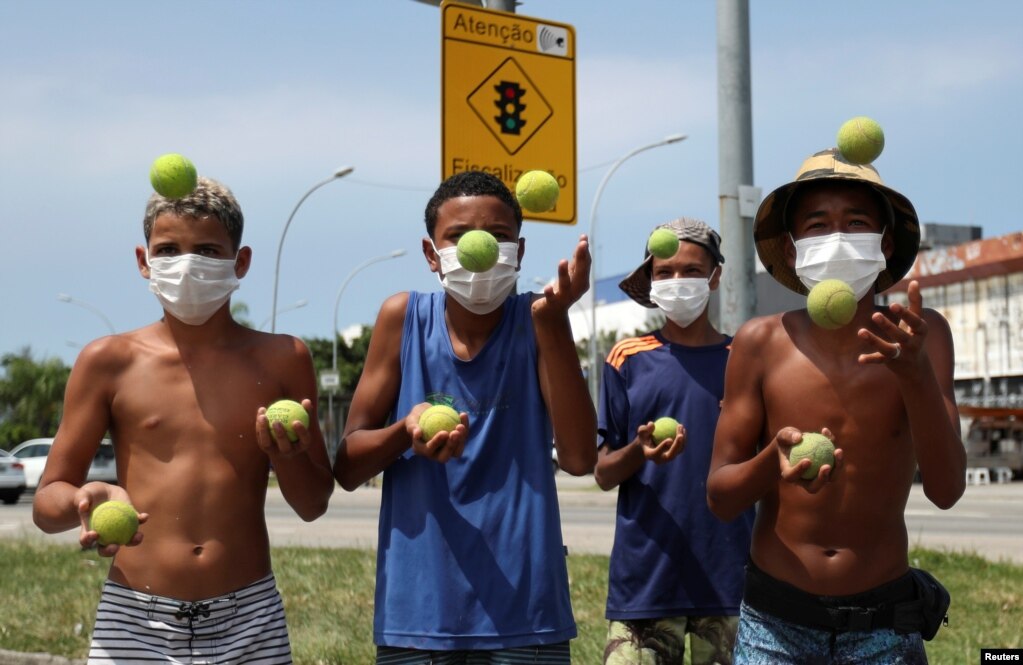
point(62, 501)
point(561, 380)
point(924, 367)
point(302, 469)
point(368, 445)
point(739, 474)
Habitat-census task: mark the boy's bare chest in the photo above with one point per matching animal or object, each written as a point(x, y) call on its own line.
point(197, 397)
point(838, 393)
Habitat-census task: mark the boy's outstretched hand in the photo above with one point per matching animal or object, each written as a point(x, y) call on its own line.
point(572, 282)
point(88, 497)
point(904, 337)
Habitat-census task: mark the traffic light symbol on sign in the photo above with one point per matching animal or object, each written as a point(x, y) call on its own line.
point(509, 102)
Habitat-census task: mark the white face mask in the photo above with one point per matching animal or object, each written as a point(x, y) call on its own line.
point(854, 258)
point(682, 300)
point(191, 287)
point(480, 292)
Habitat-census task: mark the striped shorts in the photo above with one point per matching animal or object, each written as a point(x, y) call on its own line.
point(246, 626)
point(547, 654)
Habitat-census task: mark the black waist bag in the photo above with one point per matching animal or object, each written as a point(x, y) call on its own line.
point(928, 612)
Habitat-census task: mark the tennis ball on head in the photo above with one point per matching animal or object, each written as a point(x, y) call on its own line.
point(438, 418)
point(477, 251)
point(664, 428)
point(831, 304)
point(860, 140)
point(662, 243)
point(115, 521)
point(537, 191)
point(815, 447)
point(286, 412)
point(173, 176)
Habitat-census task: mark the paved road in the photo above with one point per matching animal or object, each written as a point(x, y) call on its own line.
point(988, 520)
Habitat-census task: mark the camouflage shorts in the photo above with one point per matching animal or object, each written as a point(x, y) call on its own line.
point(663, 641)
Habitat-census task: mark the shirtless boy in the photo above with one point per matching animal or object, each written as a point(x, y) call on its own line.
point(829, 573)
point(470, 564)
point(183, 400)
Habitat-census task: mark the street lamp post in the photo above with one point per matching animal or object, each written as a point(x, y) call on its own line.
point(63, 297)
point(333, 362)
point(594, 386)
point(340, 173)
point(298, 304)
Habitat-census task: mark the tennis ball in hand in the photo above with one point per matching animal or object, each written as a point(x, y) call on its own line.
point(860, 140)
point(438, 418)
point(662, 243)
point(173, 176)
point(537, 191)
point(286, 412)
point(477, 251)
point(831, 304)
point(115, 522)
point(818, 448)
point(664, 428)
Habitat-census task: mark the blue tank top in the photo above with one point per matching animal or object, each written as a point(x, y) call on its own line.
point(470, 553)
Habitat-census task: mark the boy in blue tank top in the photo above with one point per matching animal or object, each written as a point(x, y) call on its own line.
point(471, 565)
point(675, 568)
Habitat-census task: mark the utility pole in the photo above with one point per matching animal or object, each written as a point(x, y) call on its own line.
point(738, 297)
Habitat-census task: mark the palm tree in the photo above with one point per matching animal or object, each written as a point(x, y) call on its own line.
point(31, 397)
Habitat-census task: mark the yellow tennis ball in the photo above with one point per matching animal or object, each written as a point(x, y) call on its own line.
point(115, 522)
point(664, 428)
point(831, 304)
point(860, 140)
point(438, 418)
point(818, 448)
point(662, 243)
point(477, 251)
point(286, 412)
point(173, 176)
point(537, 191)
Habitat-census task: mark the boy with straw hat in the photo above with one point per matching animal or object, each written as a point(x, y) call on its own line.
point(828, 576)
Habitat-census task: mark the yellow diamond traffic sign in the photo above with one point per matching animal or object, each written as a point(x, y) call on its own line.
point(507, 91)
point(508, 99)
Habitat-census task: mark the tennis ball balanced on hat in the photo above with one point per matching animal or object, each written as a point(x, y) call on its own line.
point(286, 412)
point(173, 176)
point(477, 251)
point(115, 521)
point(860, 140)
point(537, 191)
point(436, 419)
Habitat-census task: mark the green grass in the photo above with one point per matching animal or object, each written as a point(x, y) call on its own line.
point(50, 593)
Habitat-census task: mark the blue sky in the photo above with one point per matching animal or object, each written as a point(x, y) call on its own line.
point(271, 97)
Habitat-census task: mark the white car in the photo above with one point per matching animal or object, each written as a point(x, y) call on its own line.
point(12, 478)
point(32, 454)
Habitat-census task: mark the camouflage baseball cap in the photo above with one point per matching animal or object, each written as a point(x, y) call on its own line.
point(637, 284)
point(771, 227)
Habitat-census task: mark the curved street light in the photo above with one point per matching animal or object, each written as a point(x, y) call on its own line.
point(340, 173)
point(298, 304)
point(667, 140)
point(333, 363)
point(63, 297)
